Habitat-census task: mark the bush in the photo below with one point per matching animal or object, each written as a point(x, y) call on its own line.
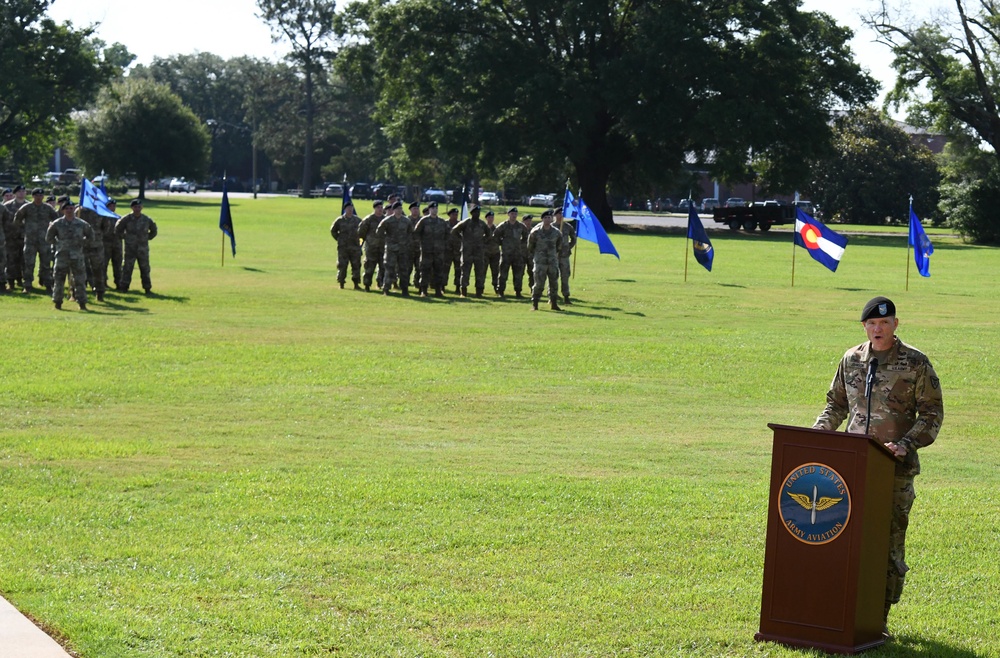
point(973, 207)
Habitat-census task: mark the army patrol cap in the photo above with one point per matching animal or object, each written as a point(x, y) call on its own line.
point(135, 202)
point(878, 307)
point(37, 192)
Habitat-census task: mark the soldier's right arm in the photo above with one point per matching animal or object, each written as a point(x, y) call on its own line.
point(51, 234)
point(836, 402)
point(120, 227)
point(334, 229)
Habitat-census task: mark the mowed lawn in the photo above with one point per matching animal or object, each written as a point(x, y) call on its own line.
point(256, 463)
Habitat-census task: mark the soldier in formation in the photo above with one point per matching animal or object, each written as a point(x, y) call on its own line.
point(13, 201)
point(374, 246)
point(136, 229)
point(345, 231)
point(97, 268)
point(473, 234)
point(432, 233)
point(510, 236)
point(70, 236)
point(906, 413)
point(395, 233)
point(492, 253)
point(113, 252)
point(527, 222)
point(569, 242)
point(454, 253)
point(34, 219)
point(413, 266)
point(544, 244)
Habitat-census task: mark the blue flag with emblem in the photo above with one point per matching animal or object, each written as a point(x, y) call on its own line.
point(703, 251)
point(922, 247)
point(347, 197)
point(226, 218)
point(588, 227)
point(93, 198)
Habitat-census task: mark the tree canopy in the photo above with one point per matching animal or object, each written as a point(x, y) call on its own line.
point(50, 69)
point(140, 126)
point(615, 92)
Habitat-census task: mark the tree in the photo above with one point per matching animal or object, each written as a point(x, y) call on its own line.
point(141, 127)
point(620, 90)
point(873, 169)
point(308, 26)
point(50, 70)
point(948, 78)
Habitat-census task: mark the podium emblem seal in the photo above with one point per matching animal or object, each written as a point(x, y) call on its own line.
point(814, 503)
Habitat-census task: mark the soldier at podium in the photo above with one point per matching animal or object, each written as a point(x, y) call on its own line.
point(906, 414)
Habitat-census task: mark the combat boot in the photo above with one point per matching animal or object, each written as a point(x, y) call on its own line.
point(566, 299)
point(100, 296)
point(357, 286)
point(83, 307)
point(554, 306)
point(465, 292)
point(479, 293)
point(458, 289)
point(368, 288)
point(341, 285)
point(406, 291)
point(58, 305)
point(439, 293)
point(517, 293)
point(534, 304)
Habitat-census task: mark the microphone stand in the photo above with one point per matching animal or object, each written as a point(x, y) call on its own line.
point(869, 385)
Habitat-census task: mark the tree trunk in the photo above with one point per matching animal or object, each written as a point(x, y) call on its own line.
point(593, 188)
point(142, 187)
point(307, 156)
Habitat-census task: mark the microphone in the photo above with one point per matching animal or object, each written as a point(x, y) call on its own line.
point(870, 379)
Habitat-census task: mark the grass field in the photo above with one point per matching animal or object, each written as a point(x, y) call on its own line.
point(256, 463)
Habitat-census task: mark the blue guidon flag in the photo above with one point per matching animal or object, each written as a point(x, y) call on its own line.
point(922, 247)
point(226, 217)
point(703, 251)
point(823, 245)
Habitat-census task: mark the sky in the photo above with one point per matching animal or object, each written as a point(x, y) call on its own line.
point(229, 28)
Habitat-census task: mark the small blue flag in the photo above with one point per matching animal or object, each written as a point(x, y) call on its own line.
point(922, 247)
point(93, 198)
point(347, 197)
point(824, 245)
point(226, 218)
point(588, 227)
point(703, 251)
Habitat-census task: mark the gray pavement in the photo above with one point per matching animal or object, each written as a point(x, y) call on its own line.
point(19, 638)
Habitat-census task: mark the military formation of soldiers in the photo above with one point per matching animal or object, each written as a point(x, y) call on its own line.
point(72, 242)
point(424, 249)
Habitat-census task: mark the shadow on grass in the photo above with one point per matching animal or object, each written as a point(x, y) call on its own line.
point(622, 280)
point(906, 646)
point(254, 269)
point(111, 308)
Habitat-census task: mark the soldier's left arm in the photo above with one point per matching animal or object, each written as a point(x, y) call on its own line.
point(152, 229)
point(930, 408)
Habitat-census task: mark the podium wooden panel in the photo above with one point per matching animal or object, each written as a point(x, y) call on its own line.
point(825, 588)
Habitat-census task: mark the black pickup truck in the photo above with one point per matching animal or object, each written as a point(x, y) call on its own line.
point(758, 215)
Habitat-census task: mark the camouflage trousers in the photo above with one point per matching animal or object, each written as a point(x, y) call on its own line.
point(453, 261)
point(564, 274)
point(113, 256)
point(515, 263)
point(15, 261)
point(132, 254)
point(37, 247)
point(373, 260)
point(545, 269)
point(902, 500)
point(349, 256)
point(3, 266)
point(394, 265)
point(432, 271)
point(493, 265)
point(97, 269)
point(76, 267)
point(476, 259)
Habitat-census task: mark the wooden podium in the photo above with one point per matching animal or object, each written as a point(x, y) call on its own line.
point(828, 521)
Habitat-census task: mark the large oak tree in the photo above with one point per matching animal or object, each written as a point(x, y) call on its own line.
point(621, 90)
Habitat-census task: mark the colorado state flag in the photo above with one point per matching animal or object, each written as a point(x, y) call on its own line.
point(824, 245)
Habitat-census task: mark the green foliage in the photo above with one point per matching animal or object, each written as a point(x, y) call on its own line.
point(141, 127)
point(972, 205)
point(616, 91)
point(50, 69)
point(874, 167)
point(255, 463)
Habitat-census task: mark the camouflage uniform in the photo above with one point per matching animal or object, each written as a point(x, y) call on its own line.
point(454, 256)
point(569, 242)
point(907, 409)
point(395, 232)
point(374, 249)
point(5, 219)
point(526, 223)
point(345, 231)
point(34, 219)
point(136, 232)
point(97, 266)
point(432, 233)
point(510, 236)
point(113, 254)
point(414, 264)
point(70, 237)
point(473, 234)
point(15, 245)
point(544, 244)
point(492, 252)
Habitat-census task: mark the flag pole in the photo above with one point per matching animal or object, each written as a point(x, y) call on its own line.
point(909, 229)
point(223, 232)
point(687, 236)
point(575, 229)
point(793, 258)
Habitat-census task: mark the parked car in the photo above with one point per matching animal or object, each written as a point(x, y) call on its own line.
point(709, 204)
point(434, 194)
point(736, 202)
point(182, 185)
point(806, 207)
point(489, 198)
point(685, 204)
point(361, 191)
point(333, 189)
point(542, 200)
